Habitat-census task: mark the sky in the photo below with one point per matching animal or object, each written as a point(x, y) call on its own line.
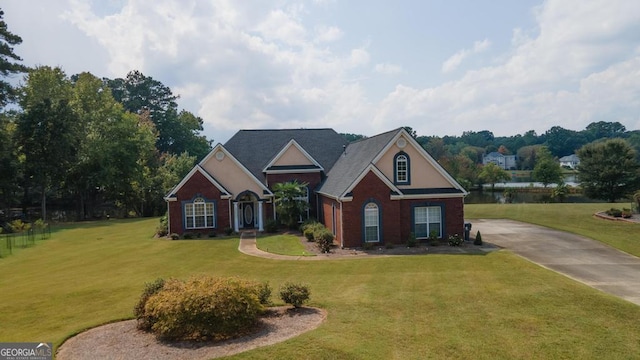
point(441, 67)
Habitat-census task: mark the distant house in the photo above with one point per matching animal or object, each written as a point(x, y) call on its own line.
point(570, 161)
point(377, 190)
point(506, 162)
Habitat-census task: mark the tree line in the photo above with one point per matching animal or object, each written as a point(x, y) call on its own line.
point(90, 146)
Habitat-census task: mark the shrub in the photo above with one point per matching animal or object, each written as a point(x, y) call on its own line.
point(174, 236)
point(188, 236)
point(324, 240)
point(308, 222)
point(614, 212)
point(478, 239)
point(163, 227)
point(228, 231)
point(145, 321)
point(412, 241)
point(313, 230)
point(39, 224)
point(264, 293)
point(294, 294)
point(367, 246)
point(455, 240)
point(389, 245)
point(213, 234)
point(626, 213)
point(433, 238)
point(271, 226)
point(204, 308)
point(19, 226)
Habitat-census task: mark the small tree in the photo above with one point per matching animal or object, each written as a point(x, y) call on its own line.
point(291, 204)
point(492, 173)
point(547, 169)
point(608, 170)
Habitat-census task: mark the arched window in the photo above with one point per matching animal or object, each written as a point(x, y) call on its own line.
point(401, 168)
point(199, 214)
point(371, 222)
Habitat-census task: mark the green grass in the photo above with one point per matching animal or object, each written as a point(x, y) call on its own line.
point(494, 306)
point(286, 244)
point(576, 218)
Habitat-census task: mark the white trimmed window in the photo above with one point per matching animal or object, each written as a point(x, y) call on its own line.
point(371, 223)
point(402, 169)
point(199, 214)
point(426, 220)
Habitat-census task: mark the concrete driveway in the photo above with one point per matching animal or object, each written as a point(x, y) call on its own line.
point(580, 258)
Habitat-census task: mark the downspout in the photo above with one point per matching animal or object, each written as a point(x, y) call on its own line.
point(341, 226)
point(168, 219)
point(230, 213)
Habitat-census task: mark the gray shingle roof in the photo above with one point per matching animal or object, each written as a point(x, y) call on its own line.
point(354, 161)
point(256, 148)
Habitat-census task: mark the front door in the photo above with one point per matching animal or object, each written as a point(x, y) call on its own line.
point(247, 215)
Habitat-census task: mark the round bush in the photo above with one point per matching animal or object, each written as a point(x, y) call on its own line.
point(204, 308)
point(294, 294)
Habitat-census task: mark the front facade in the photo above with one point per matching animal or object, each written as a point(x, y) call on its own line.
point(570, 161)
point(377, 190)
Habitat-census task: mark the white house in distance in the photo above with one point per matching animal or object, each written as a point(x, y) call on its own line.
point(570, 161)
point(506, 162)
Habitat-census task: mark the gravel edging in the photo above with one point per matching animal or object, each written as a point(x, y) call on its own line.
point(122, 340)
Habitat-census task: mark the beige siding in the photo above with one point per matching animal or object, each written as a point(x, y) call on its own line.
point(423, 174)
point(231, 176)
point(292, 156)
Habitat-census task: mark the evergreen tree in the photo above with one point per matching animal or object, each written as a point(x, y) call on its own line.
point(9, 61)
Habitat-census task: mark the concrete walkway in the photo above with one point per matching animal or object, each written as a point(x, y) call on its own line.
point(580, 258)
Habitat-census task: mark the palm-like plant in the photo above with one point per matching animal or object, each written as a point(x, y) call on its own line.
point(290, 201)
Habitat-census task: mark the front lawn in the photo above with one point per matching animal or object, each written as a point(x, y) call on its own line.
point(494, 306)
point(283, 244)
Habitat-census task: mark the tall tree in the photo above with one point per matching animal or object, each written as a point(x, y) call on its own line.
point(8, 160)
point(492, 173)
point(528, 155)
point(603, 129)
point(177, 131)
point(47, 132)
point(48, 142)
point(547, 169)
point(9, 61)
point(608, 170)
point(562, 142)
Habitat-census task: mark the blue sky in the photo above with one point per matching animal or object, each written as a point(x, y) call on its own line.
point(441, 67)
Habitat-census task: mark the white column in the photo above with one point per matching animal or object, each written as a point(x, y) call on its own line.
point(260, 222)
point(235, 216)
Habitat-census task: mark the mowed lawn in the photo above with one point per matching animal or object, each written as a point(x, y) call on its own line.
point(494, 306)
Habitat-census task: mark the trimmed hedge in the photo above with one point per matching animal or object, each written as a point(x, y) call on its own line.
point(203, 308)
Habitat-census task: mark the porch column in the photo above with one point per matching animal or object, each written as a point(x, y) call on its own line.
point(260, 222)
point(235, 216)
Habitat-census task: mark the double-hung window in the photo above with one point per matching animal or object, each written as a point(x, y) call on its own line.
point(427, 220)
point(199, 214)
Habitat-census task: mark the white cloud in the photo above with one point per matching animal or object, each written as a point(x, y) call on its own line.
point(327, 34)
point(387, 69)
point(260, 64)
point(456, 59)
point(582, 66)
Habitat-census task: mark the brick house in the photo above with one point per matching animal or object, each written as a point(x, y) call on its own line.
point(375, 190)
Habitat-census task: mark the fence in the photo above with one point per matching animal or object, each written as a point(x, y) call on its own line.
point(20, 240)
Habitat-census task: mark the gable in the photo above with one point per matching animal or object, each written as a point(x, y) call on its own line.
point(229, 172)
point(201, 177)
point(425, 173)
point(292, 157)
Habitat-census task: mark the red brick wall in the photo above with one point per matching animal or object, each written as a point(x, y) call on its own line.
point(396, 214)
point(198, 185)
point(313, 180)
